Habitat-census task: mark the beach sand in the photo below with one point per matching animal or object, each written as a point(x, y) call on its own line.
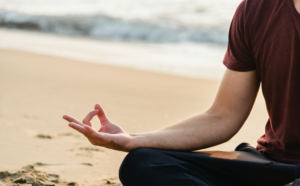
point(36, 90)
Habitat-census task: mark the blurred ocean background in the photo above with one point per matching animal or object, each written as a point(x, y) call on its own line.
point(182, 37)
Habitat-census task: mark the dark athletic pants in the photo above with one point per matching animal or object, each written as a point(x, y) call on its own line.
point(243, 167)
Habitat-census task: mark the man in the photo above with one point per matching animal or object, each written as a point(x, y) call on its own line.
point(264, 46)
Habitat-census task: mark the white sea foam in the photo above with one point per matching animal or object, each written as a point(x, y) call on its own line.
point(182, 37)
point(185, 59)
point(139, 20)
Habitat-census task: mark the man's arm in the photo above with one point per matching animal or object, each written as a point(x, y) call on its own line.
point(217, 125)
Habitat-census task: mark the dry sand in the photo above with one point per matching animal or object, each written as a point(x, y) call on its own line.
point(36, 90)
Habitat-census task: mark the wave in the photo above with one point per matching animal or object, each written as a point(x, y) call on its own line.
point(106, 27)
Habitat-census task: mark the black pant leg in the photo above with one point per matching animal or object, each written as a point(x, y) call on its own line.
point(246, 166)
point(153, 167)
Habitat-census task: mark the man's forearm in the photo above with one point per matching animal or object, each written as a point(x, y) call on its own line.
point(201, 131)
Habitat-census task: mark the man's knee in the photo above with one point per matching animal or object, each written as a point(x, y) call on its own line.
point(137, 165)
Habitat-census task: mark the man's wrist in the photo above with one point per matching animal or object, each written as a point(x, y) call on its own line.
point(138, 141)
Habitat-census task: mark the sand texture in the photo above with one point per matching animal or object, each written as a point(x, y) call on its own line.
point(36, 90)
point(29, 176)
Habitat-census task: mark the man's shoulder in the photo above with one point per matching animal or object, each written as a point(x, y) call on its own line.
point(257, 3)
point(258, 11)
point(258, 6)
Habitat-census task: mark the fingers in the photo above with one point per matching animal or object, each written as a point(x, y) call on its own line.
point(89, 117)
point(90, 131)
point(101, 115)
point(71, 119)
point(79, 128)
point(87, 131)
point(94, 135)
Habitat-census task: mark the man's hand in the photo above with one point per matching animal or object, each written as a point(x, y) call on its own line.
point(109, 135)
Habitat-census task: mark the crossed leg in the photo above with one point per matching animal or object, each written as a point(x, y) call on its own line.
point(245, 166)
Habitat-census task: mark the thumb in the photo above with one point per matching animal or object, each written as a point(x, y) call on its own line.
point(101, 115)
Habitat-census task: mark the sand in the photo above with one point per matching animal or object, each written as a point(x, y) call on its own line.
point(36, 90)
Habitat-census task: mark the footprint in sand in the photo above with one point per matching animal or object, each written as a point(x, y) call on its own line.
point(91, 149)
point(44, 136)
point(87, 164)
point(69, 135)
point(88, 151)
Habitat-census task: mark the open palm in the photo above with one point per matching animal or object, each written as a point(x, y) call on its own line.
point(109, 135)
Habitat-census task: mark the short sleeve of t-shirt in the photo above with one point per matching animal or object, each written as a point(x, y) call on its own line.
point(238, 56)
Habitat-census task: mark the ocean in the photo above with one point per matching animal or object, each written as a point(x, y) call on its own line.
point(192, 33)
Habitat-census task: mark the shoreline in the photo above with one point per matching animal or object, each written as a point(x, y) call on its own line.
point(181, 59)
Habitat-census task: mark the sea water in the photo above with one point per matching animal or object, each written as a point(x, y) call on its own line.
point(184, 37)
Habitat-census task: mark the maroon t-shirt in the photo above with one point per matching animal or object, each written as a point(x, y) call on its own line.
point(265, 36)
